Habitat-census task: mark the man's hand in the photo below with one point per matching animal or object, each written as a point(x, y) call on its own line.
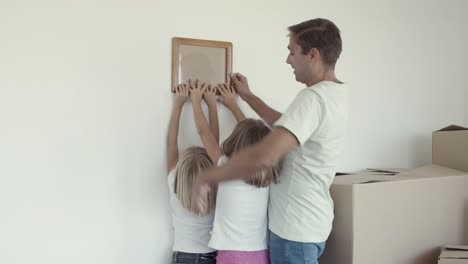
point(241, 84)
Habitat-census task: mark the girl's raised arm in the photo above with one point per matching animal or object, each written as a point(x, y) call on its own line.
point(180, 98)
point(228, 99)
point(210, 98)
point(208, 139)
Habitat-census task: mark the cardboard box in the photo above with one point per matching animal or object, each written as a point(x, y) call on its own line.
point(454, 255)
point(397, 219)
point(450, 147)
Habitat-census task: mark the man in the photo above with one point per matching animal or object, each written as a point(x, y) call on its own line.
point(308, 137)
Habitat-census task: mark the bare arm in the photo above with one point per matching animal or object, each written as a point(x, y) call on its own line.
point(228, 99)
point(267, 153)
point(267, 113)
point(247, 162)
point(210, 98)
point(204, 131)
point(173, 130)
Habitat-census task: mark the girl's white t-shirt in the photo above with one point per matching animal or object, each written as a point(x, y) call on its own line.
point(240, 221)
point(191, 232)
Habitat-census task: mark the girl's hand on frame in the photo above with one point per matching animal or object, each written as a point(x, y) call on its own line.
point(228, 96)
point(181, 94)
point(197, 89)
point(210, 95)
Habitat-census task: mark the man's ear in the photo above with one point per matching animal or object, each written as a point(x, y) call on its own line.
point(314, 54)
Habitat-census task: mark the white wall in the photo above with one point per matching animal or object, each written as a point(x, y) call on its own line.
point(84, 105)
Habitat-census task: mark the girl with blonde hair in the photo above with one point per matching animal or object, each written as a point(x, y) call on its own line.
point(240, 225)
point(191, 226)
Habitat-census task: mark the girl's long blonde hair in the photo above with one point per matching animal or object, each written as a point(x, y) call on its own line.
point(246, 133)
point(194, 160)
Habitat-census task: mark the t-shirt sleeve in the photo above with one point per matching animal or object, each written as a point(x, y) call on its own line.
point(303, 116)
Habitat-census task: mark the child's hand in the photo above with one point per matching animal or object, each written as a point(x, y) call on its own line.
point(210, 95)
point(197, 89)
point(181, 94)
point(228, 96)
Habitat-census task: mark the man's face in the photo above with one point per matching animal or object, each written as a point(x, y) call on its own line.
point(299, 62)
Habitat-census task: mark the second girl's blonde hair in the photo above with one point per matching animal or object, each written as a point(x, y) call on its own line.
point(246, 133)
point(194, 160)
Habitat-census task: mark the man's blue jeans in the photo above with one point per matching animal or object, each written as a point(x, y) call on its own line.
point(284, 251)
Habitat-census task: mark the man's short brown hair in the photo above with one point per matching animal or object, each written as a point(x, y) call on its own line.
point(321, 34)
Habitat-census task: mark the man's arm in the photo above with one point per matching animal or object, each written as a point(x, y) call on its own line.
point(245, 163)
point(267, 153)
point(267, 113)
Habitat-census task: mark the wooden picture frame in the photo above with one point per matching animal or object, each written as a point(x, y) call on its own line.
point(207, 60)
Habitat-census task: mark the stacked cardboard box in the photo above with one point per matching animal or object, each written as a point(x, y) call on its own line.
point(405, 217)
point(450, 147)
point(454, 255)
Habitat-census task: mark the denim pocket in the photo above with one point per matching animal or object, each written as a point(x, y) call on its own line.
point(312, 251)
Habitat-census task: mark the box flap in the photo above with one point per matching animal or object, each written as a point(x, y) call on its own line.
point(433, 170)
point(454, 252)
point(369, 175)
point(387, 170)
point(457, 247)
point(452, 128)
point(371, 171)
point(424, 172)
point(450, 148)
point(361, 178)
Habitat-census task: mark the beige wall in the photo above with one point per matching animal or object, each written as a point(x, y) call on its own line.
point(84, 105)
point(466, 105)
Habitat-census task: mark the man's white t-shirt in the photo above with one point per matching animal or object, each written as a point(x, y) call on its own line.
point(191, 232)
point(240, 221)
point(301, 208)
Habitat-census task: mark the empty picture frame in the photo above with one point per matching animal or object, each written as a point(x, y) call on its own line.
point(207, 60)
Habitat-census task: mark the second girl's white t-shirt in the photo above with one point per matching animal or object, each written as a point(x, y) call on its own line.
point(240, 221)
